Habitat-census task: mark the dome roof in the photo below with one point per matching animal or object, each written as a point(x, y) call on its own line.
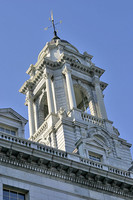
point(55, 42)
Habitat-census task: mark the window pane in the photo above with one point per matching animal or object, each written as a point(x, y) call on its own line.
point(7, 131)
point(20, 197)
point(11, 195)
point(1, 129)
point(12, 132)
point(6, 193)
point(94, 158)
point(6, 198)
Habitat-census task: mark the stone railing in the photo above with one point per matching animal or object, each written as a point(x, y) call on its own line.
point(63, 154)
point(41, 129)
point(118, 171)
point(106, 167)
point(34, 145)
point(52, 151)
point(14, 139)
point(91, 163)
point(92, 119)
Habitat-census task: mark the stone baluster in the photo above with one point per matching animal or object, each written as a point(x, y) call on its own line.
point(69, 83)
point(92, 107)
point(29, 100)
point(99, 99)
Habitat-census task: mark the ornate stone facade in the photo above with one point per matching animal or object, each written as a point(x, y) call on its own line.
point(65, 81)
point(74, 151)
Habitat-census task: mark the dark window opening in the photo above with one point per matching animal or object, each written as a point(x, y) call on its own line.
point(95, 157)
point(81, 100)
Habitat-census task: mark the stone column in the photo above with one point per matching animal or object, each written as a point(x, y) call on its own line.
point(99, 99)
point(70, 90)
point(92, 107)
point(54, 98)
point(49, 93)
point(30, 112)
point(36, 114)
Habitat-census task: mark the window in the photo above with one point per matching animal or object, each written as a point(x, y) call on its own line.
point(7, 130)
point(12, 195)
point(95, 157)
point(81, 100)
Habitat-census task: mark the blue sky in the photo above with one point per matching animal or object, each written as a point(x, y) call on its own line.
point(102, 28)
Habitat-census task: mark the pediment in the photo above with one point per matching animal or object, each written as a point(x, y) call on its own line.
point(12, 114)
point(94, 142)
point(9, 115)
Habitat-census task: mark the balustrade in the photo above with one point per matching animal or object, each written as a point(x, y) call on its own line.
point(92, 119)
point(64, 154)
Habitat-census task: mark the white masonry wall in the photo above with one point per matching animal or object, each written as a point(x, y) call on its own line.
point(41, 187)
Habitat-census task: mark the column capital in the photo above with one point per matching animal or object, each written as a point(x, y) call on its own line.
point(47, 75)
point(67, 69)
point(95, 80)
point(29, 96)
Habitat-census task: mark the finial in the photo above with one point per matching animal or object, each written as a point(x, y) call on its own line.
point(53, 25)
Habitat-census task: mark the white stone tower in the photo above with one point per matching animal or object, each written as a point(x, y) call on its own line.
point(66, 108)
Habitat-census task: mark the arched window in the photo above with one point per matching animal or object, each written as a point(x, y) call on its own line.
point(43, 108)
point(81, 100)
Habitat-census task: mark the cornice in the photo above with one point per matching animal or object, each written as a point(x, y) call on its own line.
point(39, 67)
point(103, 85)
point(55, 163)
point(29, 84)
point(80, 67)
point(51, 63)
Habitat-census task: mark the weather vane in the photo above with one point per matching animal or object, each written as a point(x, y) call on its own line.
point(53, 25)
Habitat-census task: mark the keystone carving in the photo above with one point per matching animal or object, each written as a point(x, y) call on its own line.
point(60, 168)
point(114, 183)
point(40, 161)
point(62, 113)
point(9, 153)
point(30, 158)
point(20, 156)
point(50, 165)
point(69, 170)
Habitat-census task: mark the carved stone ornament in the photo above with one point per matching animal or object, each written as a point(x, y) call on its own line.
point(62, 113)
point(66, 70)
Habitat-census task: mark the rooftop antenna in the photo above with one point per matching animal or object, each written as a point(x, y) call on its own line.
point(51, 19)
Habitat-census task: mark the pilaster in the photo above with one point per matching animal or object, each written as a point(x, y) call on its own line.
point(101, 111)
point(29, 100)
point(36, 115)
point(47, 77)
point(69, 84)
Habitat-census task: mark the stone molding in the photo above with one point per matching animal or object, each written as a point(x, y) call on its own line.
point(58, 64)
point(58, 170)
point(46, 160)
